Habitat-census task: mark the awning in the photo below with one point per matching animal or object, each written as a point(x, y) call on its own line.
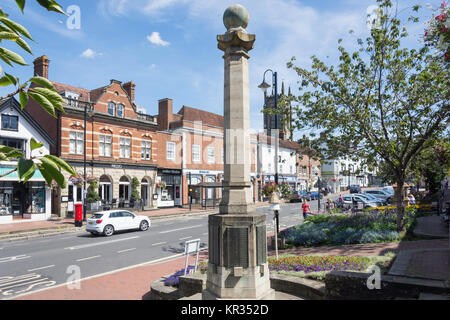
point(14, 176)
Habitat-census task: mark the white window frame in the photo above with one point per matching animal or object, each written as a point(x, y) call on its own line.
point(105, 140)
point(170, 150)
point(196, 154)
point(113, 108)
point(146, 150)
point(122, 107)
point(125, 148)
point(211, 154)
point(78, 138)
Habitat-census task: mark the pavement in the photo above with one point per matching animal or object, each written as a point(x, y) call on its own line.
point(422, 258)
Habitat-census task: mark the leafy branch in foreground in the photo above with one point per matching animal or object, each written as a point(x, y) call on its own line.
point(37, 88)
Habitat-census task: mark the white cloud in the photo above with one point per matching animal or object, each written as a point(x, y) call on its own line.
point(155, 38)
point(90, 54)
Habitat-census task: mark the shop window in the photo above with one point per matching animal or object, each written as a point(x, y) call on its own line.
point(6, 191)
point(10, 122)
point(37, 198)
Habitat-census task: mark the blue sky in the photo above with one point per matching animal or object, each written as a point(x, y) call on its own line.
point(169, 48)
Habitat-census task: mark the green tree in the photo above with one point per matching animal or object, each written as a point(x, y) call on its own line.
point(381, 103)
point(44, 93)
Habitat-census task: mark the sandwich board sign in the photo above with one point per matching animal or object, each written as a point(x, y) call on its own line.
point(191, 247)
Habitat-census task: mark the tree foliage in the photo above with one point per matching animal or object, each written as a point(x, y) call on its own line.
point(381, 103)
point(42, 91)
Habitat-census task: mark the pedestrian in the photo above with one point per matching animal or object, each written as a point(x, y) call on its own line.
point(329, 205)
point(411, 199)
point(306, 209)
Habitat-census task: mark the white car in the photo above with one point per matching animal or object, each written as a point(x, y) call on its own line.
point(108, 222)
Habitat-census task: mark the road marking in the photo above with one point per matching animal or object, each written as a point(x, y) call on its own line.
point(99, 243)
point(14, 258)
point(184, 238)
point(108, 273)
point(173, 230)
point(156, 244)
point(9, 285)
point(35, 269)
point(131, 249)
point(205, 234)
point(88, 258)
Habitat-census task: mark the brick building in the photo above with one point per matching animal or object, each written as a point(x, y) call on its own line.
point(197, 137)
point(118, 143)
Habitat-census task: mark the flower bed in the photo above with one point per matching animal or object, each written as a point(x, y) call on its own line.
point(338, 229)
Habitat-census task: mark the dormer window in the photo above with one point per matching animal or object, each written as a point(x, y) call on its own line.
point(71, 95)
point(111, 108)
point(120, 110)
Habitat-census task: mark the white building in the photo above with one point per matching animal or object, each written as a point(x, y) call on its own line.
point(286, 162)
point(31, 200)
point(341, 173)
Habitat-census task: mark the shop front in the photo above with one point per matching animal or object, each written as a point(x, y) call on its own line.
point(30, 200)
point(168, 188)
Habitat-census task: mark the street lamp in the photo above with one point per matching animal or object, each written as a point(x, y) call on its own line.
point(264, 86)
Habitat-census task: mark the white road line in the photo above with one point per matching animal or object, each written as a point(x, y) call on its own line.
point(184, 238)
point(8, 259)
point(99, 243)
point(46, 267)
point(126, 250)
point(157, 244)
point(205, 234)
point(88, 258)
point(173, 230)
point(107, 273)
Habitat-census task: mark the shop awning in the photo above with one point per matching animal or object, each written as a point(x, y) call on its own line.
point(14, 176)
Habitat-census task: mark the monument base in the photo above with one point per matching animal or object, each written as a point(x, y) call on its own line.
point(237, 265)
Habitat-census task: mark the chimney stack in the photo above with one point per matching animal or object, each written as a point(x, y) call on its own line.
point(165, 114)
point(129, 88)
point(41, 66)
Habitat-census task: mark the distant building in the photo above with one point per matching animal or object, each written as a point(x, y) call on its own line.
point(280, 123)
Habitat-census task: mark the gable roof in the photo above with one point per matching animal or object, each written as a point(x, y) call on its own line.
point(13, 103)
point(208, 118)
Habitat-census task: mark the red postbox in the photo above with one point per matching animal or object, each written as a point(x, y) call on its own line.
point(78, 214)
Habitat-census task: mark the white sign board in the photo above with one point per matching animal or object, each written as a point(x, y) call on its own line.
point(191, 247)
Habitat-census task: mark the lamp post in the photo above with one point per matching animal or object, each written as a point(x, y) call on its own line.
point(84, 164)
point(264, 86)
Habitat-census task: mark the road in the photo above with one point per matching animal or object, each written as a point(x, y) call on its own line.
point(36, 264)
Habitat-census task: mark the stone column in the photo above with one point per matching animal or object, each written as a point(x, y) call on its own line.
point(237, 266)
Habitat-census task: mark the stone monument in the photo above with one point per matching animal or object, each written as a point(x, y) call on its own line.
point(237, 266)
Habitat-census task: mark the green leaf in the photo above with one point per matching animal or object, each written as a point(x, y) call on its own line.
point(47, 176)
point(43, 101)
point(21, 4)
point(22, 43)
point(25, 169)
point(55, 99)
point(51, 168)
point(11, 78)
point(5, 81)
point(23, 99)
point(34, 144)
point(44, 82)
point(51, 5)
point(16, 27)
point(9, 35)
point(6, 54)
point(62, 164)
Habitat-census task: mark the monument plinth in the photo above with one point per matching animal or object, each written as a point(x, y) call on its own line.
point(237, 266)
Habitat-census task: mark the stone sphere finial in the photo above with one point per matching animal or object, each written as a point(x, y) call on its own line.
point(235, 16)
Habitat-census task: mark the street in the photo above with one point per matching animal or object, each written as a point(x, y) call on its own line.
point(32, 265)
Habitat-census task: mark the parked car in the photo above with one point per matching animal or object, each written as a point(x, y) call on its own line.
point(372, 198)
point(380, 193)
point(355, 189)
point(348, 199)
point(314, 195)
point(389, 189)
point(108, 222)
point(299, 196)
